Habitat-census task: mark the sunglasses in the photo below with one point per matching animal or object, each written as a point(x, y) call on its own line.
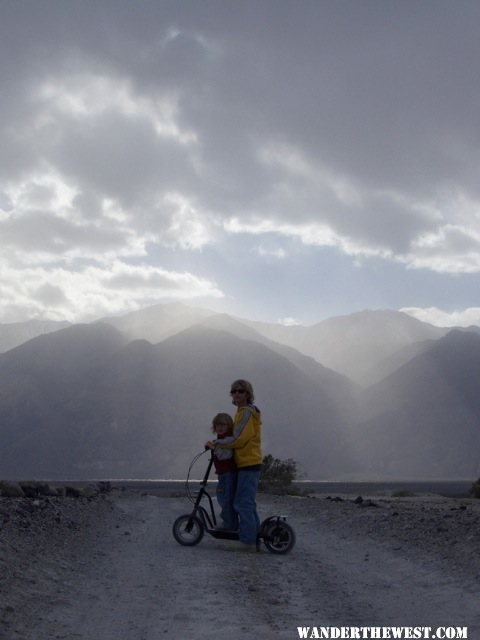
point(237, 391)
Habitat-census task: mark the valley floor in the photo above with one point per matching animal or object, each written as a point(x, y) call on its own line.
point(108, 568)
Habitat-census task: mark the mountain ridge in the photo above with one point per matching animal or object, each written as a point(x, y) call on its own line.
point(90, 401)
point(350, 344)
point(149, 407)
point(425, 414)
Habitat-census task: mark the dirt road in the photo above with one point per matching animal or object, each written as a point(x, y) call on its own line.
point(118, 574)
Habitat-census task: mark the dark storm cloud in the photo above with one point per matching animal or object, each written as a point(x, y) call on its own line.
point(351, 124)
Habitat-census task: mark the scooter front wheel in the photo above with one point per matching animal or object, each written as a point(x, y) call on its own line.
point(188, 530)
point(278, 536)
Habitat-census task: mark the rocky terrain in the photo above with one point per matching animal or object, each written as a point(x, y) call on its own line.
point(100, 563)
point(446, 530)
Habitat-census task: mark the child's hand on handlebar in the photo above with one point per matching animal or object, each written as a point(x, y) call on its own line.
point(210, 445)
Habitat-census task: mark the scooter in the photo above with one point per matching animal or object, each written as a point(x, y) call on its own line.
point(188, 529)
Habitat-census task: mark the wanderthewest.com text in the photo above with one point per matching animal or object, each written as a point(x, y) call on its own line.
point(382, 633)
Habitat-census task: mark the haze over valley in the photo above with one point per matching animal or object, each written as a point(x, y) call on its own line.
point(376, 394)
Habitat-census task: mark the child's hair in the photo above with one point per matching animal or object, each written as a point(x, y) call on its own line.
point(223, 418)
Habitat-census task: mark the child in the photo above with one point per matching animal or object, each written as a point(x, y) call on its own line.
point(226, 470)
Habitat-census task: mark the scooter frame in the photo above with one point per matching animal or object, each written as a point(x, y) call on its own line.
point(188, 529)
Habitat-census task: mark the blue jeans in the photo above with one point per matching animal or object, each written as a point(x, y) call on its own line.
point(226, 485)
point(245, 504)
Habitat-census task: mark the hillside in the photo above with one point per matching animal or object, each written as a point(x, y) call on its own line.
point(158, 322)
point(423, 420)
point(100, 408)
point(354, 345)
point(364, 347)
point(87, 401)
point(40, 381)
point(337, 386)
point(16, 333)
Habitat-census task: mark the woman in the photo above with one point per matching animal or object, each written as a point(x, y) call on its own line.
point(248, 458)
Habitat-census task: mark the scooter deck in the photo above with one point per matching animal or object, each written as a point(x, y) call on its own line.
point(223, 534)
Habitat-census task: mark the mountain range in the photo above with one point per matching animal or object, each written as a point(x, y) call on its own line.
point(373, 394)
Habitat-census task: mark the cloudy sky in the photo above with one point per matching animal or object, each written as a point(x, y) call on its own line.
point(283, 160)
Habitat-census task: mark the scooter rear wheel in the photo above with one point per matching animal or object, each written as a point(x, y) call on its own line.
point(188, 530)
point(279, 537)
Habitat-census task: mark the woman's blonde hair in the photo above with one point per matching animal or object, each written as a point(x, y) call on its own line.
point(246, 386)
point(223, 418)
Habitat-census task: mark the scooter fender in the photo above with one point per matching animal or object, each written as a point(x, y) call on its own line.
point(268, 522)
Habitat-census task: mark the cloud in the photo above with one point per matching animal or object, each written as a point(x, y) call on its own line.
point(450, 249)
point(462, 318)
point(50, 295)
point(275, 252)
point(288, 322)
point(335, 210)
point(85, 294)
point(171, 127)
point(87, 97)
point(43, 223)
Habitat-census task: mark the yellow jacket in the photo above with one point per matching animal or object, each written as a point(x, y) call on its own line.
point(247, 433)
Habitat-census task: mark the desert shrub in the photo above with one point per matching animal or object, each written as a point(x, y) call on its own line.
point(475, 490)
point(277, 475)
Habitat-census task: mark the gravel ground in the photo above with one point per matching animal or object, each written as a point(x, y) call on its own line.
point(106, 567)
